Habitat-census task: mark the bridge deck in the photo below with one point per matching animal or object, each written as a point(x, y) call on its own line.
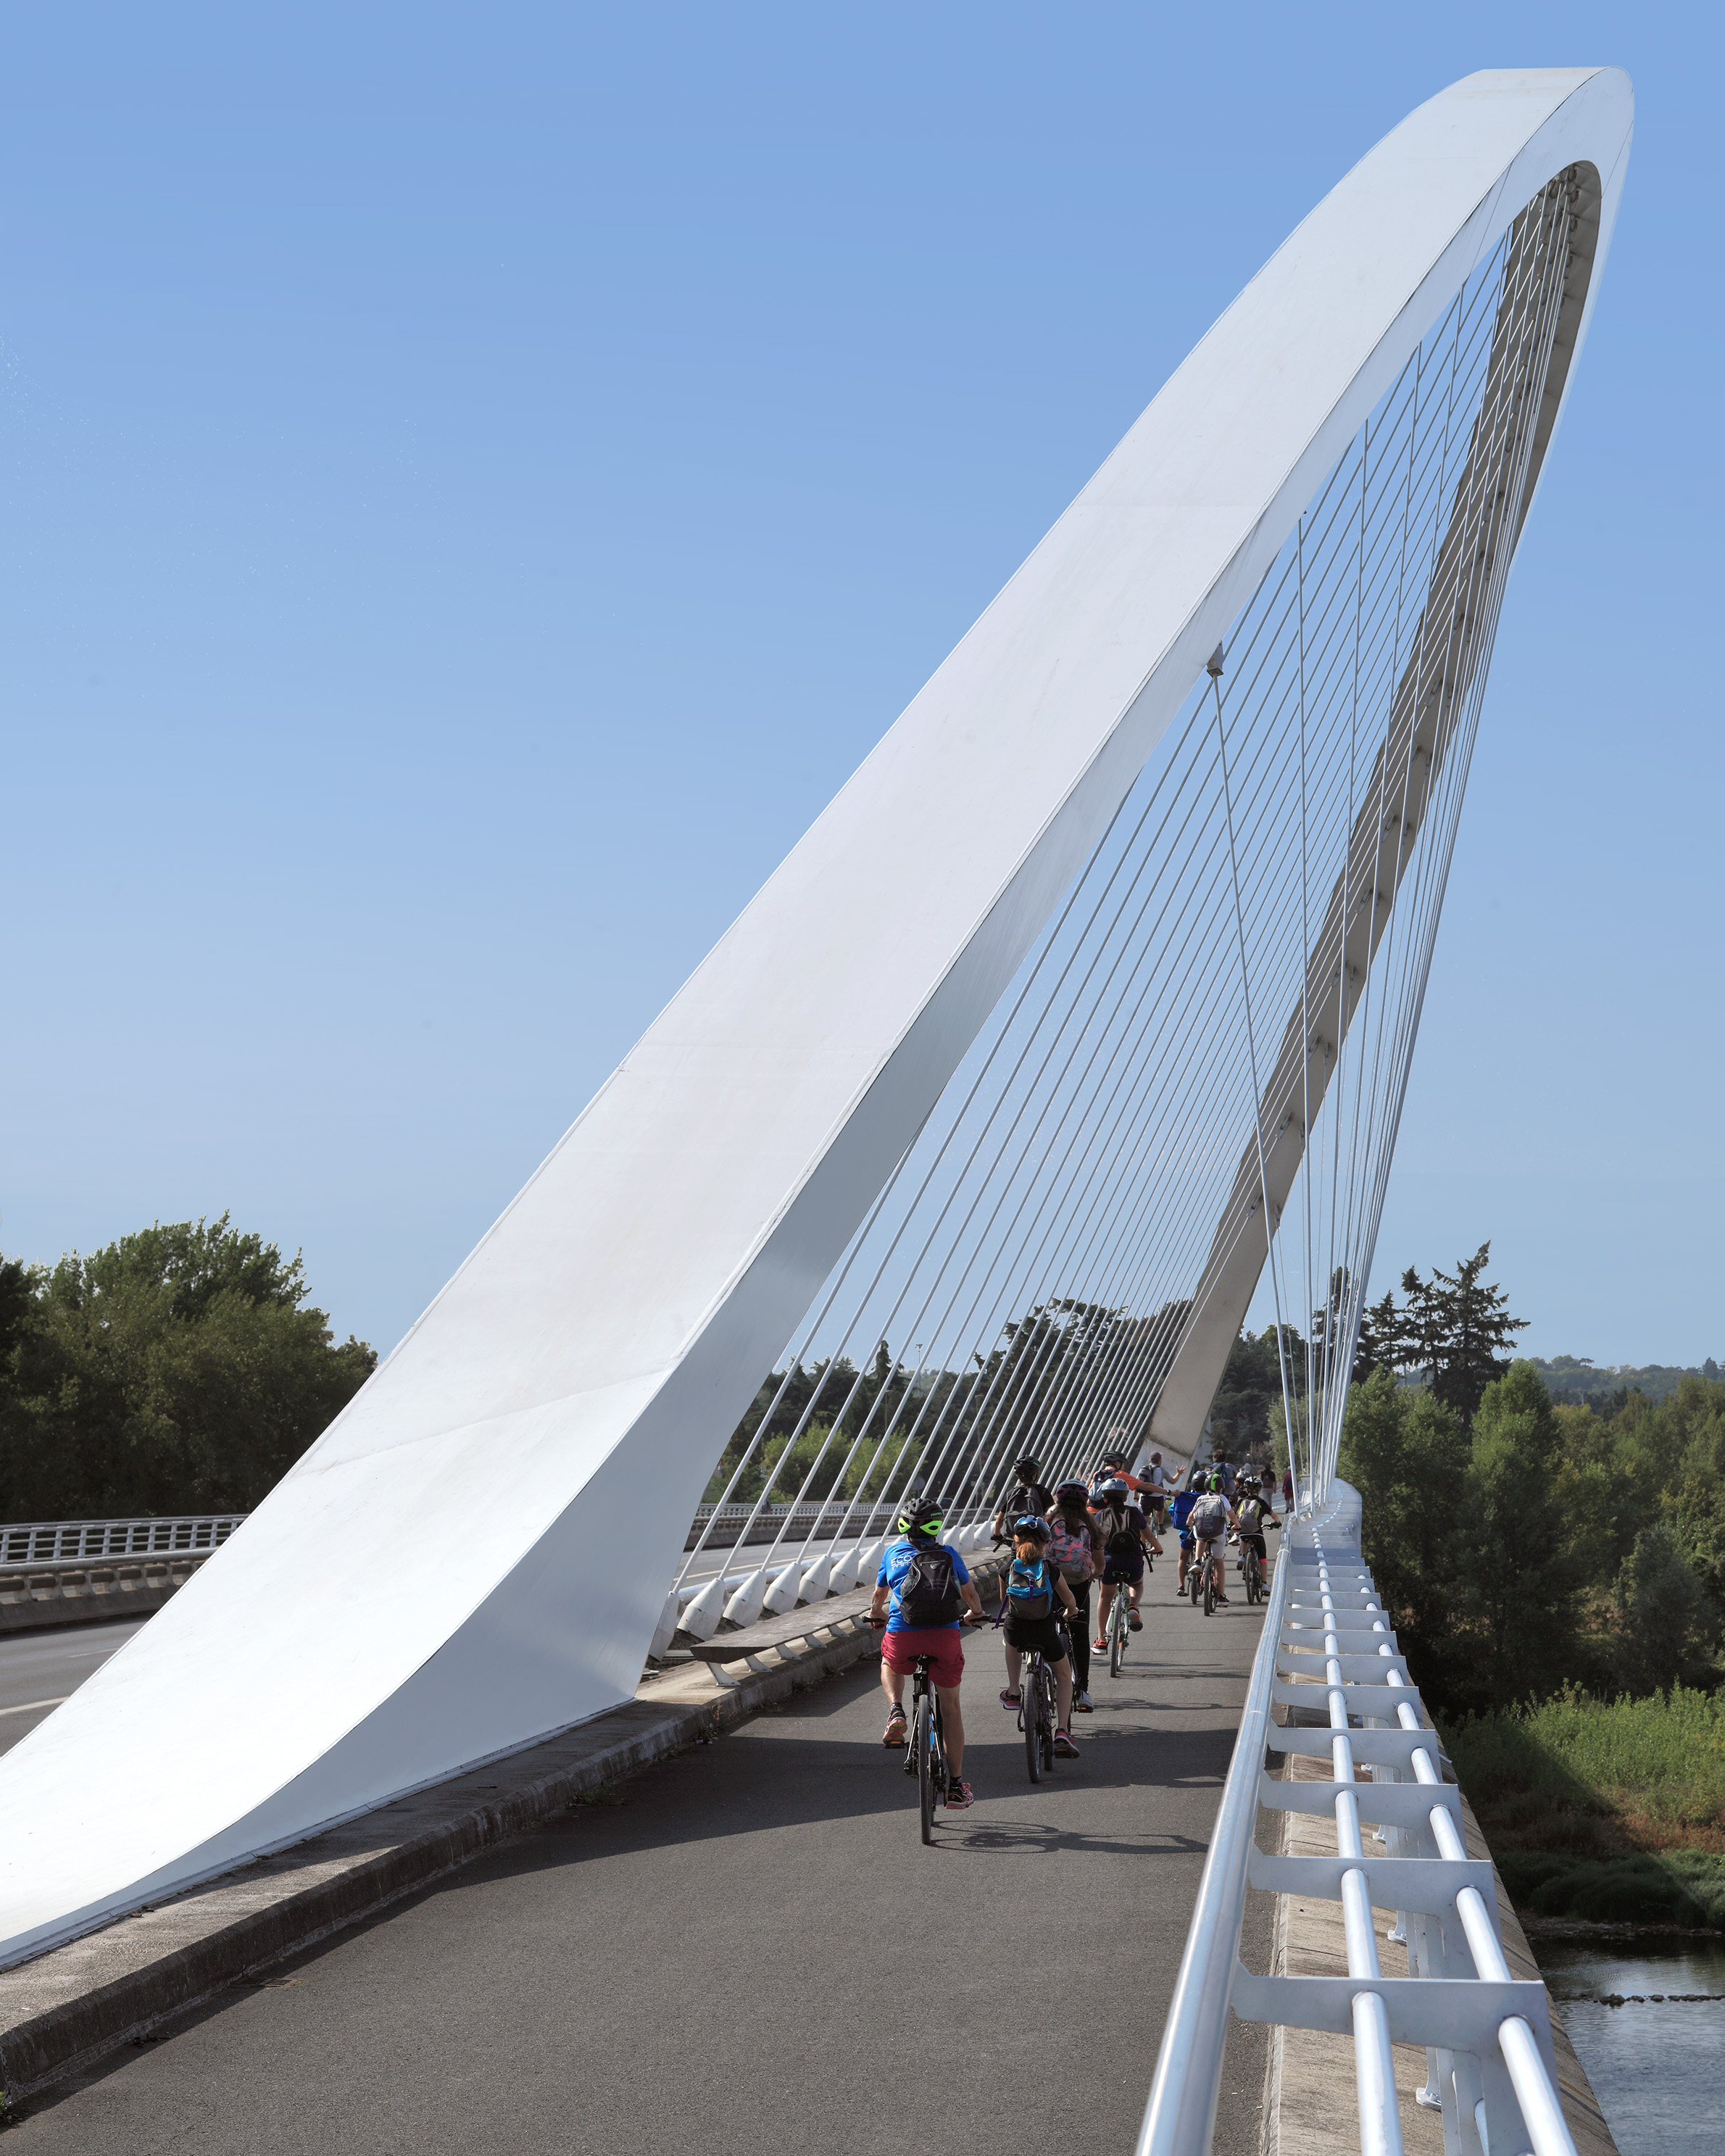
point(754, 1946)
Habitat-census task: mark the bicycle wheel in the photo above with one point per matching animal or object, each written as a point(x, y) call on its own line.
point(1195, 1580)
point(1210, 1587)
point(924, 1767)
point(1117, 1632)
point(1045, 1719)
point(1030, 1714)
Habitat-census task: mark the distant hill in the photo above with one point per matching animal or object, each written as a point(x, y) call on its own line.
point(1575, 1381)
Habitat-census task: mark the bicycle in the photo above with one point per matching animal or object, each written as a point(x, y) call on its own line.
point(1202, 1575)
point(1036, 1712)
point(1119, 1625)
point(926, 1753)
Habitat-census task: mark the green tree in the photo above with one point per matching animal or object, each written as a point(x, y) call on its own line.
point(179, 1369)
point(1455, 1328)
point(1407, 1455)
point(1515, 1571)
point(1251, 1385)
point(1666, 1626)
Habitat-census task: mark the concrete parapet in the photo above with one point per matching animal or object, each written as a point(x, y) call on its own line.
point(36, 1598)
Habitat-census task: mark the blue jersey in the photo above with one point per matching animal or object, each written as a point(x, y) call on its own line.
point(897, 1563)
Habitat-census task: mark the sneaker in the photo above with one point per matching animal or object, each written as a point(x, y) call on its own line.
point(895, 1733)
point(1222, 1601)
point(1081, 1704)
point(960, 1796)
point(1011, 1700)
point(1064, 1749)
point(1134, 1623)
point(1099, 1646)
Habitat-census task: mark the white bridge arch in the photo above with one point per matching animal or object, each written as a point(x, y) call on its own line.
point(442, 1578)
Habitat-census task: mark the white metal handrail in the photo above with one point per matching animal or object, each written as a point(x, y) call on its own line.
point(75, 1542)
point(1490, 2066)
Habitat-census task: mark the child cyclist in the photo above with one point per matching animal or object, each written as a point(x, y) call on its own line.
point(1075, 1549)
point(1184, 1499)
point(921, 1596)
point(1034, 1592)
point(1254, 1512)
point(1124, 1535)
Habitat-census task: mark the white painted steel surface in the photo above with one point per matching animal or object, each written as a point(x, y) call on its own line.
point(476, 1552)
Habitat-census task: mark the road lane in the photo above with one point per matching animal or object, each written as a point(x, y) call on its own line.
point(752, 1944)
point(40, 1668)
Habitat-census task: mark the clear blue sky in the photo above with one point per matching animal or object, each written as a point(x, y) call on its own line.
point(477, 480)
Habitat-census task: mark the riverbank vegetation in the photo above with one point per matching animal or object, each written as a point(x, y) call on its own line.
point(1555, 1572)
point(1608, 1809)
point(178, 1370)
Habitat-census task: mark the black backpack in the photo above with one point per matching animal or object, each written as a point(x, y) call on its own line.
point(928, 1594)
point(1120, 1541)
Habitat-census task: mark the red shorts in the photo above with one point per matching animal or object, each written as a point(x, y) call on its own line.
point(942, 1644)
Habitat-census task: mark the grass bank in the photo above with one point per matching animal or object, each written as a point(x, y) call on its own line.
point(1613, 1810)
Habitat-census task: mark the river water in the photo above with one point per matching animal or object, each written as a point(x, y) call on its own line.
point(1656, 2062)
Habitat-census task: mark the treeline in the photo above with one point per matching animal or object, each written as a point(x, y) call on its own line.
point(1576, 1380)
point(1523, 1545)
point(1450, 1333)
point(1059, 1375)
point(178, 1370)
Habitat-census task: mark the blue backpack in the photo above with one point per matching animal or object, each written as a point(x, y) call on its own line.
point(1030, 1589)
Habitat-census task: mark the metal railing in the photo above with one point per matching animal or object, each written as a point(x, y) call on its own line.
point(1490, 2067)
point(80, 1541)
point(833, 1510)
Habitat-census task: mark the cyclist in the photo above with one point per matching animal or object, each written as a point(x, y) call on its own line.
point(1156, 1490)
point(923, 1589)
point(1113, 1469)
point(1210, 1520)
point(1183, 1501)
point(1254, 1514)
point(1032, 1571)
point(1076, 1550)
point(1124, 1535)
point(1027, 1494)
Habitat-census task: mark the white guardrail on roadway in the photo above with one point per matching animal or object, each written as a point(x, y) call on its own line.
point(1490, 2063)
point(81, 1542)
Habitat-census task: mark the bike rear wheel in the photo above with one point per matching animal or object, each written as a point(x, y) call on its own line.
point(925, 1766)
point(1030, 1695)
point(1210, 1587)
point(1117, 1632)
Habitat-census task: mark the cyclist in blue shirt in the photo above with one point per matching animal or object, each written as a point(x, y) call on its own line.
point(1184, 1499)
point(921, 1595)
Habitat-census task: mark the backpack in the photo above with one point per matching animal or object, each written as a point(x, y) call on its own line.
point(1030, 1589)
point(928, 1594)
point(1118, 1538)
point(1209, 1515)
point(1069, 1554)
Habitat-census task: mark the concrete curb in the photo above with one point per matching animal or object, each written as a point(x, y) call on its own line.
point(59, 2013)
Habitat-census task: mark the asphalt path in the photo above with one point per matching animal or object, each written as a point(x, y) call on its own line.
point(38, 1669)
point(748, 1945)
